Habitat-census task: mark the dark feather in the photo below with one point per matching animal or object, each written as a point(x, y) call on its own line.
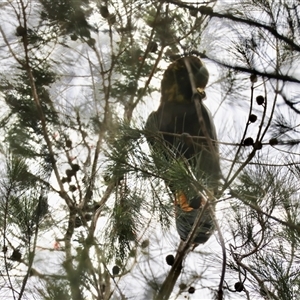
point(178, 124)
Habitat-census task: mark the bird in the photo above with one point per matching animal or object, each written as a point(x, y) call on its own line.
point(182, 128)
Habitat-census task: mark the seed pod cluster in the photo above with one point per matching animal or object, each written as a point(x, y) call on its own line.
point(257, 145)
point(170, 259)
point(205, 10)
point(69, 142)
point(104, 12)
point(70, 173)
point(73, 37)
point(252, 118)
point(193, 12)
point(116, 270)
point(16, 255)
point(273, 142)
point(238, 286)
point(20, 31)
point(75, 167)
point(145, 244)
point(248, 141)
point(260, 100)
point(253, 78)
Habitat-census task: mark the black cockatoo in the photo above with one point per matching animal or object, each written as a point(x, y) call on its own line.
point(189, 133)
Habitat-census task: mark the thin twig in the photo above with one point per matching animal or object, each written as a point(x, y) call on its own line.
point(198, 107)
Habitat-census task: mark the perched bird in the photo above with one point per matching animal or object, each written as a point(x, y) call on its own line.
point(184, 130)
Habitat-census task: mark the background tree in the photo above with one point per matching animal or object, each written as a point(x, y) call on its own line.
point(84, 210)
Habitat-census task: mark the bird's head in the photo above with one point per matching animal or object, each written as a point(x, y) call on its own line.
point(176, 85)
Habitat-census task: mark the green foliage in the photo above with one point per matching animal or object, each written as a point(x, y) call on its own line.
point(258, 237)
point(19, 98)
point(70, 70)
point(125, 221)
point(22, 206)
point(70, 15)
point(56, 290)
point(127, 163)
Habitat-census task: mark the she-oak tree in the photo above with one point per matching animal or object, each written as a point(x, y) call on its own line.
point(85, 212)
